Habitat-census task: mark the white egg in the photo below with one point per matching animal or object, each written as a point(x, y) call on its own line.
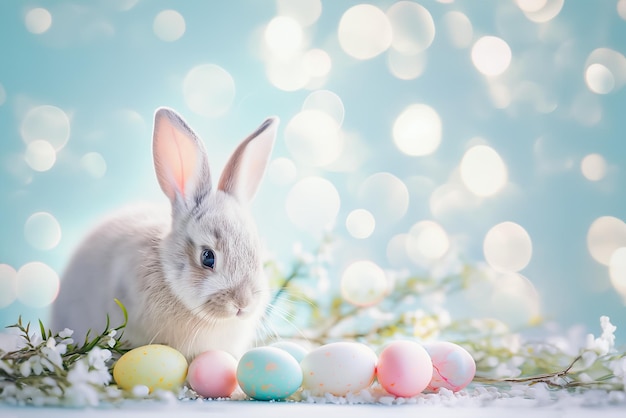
point(338, 368)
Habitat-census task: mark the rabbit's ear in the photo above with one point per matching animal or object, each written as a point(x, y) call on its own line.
point(244, 170)
point(180, 160)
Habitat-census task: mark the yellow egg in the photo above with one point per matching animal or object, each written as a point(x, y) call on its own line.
point(155, 366)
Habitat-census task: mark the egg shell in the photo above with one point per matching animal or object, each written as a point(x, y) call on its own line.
point(296, 350)
point(268, 373)
point(404, 368)
point(453, 367)
point(338, 368)
point(155, 366)
point(213, 374)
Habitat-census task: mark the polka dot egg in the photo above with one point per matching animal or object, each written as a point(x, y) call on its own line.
point(268, 373)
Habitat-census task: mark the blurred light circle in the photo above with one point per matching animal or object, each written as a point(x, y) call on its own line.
point(621, 9)
point(209, 90)
point(40, 155)
point(38, 20)
point(593, 167)
point(413, 28)
point(405, 67)
point(491, 55)
point(364, 283)
point(599, 79)
point(317, 62)
point(313, 137)
point(606, 234)
point(94, 164)
point(283, 36)
point(360, 223)
point(605, 70)
point(617, 270)
point(459, 29)
point(313, 204)
point(8, 283)
point(288, 74)
point(548, 10)
point(364, 31)
point(385, 196)
point(37, 285)
point(531, 5)
point(305, 12)
point(282, 171)
point(507, 247)
point(397, 251)
point(514, 299)
point(47, 123)
point(169, 25)
point(451, 198)
point(42, 231)
point(417, 130)
point(325, 101)
point(427, 240)
point(482, 171)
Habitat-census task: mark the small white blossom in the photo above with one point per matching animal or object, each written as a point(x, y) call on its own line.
point(604, 344)
point(141, 391)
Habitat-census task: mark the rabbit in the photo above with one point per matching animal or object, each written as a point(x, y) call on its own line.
point(192, 278)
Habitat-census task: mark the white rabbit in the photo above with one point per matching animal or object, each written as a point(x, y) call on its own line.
point(192, 280)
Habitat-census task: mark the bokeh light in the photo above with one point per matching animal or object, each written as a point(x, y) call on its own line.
point(360, 223)
point(317, 62)
point(458, 28)
point(305, 12)
point(507, 247)
point(283, 36)
point(514, 299)
point(540, 11)
point(94, 164)
point(8, 284)
point(593, 167)
point(38, 20)
point(40, 155)
point(364, 283)
point(491, 55)
point(169, 25)
point(482, 171)
point(289, 74)
point(450, 198)
point(406, 67)
point(412, 25)
point(617, 271)
point(605, 235)
point(605, 71)
point(417, 131)
point(427, 241)
point(313, 137)
point(209, 90)
point(621, 9)
point(326, 101)
point(385, 196)
point(37, 285)
point(313, 204)
point(364, 31)
point(282, 171)
point(47, 123)
point(42, 231)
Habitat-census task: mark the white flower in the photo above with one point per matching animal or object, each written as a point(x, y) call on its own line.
point(604, 344)
point(65, 336)
point(25, 369)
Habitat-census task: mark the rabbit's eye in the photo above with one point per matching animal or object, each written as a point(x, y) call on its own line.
point(208, 258)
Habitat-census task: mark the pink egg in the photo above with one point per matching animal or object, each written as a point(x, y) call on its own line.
point(404, 368)
point(453, 367)
point(213, 374)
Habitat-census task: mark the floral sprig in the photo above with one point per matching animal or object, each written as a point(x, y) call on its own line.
point(51, 369)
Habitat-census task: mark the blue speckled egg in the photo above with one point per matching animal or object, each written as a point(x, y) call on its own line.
point(268, 373)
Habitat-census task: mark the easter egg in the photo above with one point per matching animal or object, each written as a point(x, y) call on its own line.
point(268, 373)
point(213, 374)
point(154, 366)
point(453, 367)
point(338, 368)
point(296, 350)
point(404, 368)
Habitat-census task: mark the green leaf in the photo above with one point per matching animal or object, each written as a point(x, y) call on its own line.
point(124, 311)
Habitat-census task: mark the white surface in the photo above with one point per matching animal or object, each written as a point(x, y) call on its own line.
point(510, 408)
